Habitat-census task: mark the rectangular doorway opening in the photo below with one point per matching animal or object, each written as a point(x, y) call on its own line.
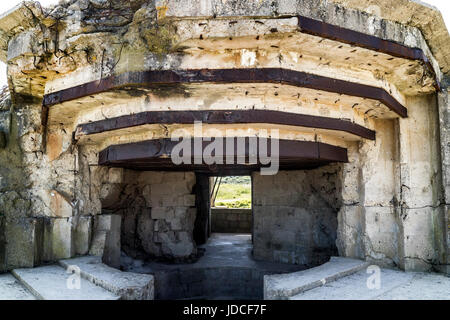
point(231, 205)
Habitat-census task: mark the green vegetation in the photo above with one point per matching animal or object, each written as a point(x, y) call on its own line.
point(237, 180)
point(235, 204)
point(235, 192)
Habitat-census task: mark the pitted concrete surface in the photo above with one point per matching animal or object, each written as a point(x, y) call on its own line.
point(394, 285)
point(11, 289)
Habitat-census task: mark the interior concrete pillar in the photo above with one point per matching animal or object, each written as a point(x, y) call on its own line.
point(111, 253)
point(378, 192)
point(350, 239)
point(421, 220)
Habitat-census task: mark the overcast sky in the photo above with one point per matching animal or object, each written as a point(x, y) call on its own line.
point(442, 5)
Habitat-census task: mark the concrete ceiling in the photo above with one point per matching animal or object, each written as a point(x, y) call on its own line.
point(416, 14)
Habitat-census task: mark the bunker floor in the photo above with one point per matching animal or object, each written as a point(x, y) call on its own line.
point(221, 250)
point(225, 271)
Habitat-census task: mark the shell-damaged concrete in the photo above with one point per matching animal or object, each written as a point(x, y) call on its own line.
point(356, 91)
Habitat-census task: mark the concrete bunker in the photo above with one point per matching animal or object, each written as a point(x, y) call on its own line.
point(360, 103)
point(164, 224)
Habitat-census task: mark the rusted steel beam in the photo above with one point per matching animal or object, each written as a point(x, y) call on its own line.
point(223, 117)
point(156, 155)
point(155, 78)
point(359, 39)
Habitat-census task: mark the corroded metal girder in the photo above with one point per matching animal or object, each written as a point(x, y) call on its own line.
point(355, 38)
point(156, 155)
point(223, 117)
point(156, 78)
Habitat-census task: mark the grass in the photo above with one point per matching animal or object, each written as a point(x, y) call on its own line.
point(235, 204)
point(235, 194)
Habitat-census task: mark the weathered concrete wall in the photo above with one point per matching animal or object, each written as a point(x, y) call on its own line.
point(157, 211)
point(378, 195)
point(14, 213)
point(444, 125)
point(422, 215)
point(391, 199)
point(231, 220)
point(444, 121)
point(2, 244)
point(392, 212)
point(35, 197)
point(295, 215)
point(53, 194)
point(350, 236)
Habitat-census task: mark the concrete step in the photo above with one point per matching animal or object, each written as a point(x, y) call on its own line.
point(285, 286)
point(12, 289)
point(51, 283)
point(392, 285)
point(126, 285)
